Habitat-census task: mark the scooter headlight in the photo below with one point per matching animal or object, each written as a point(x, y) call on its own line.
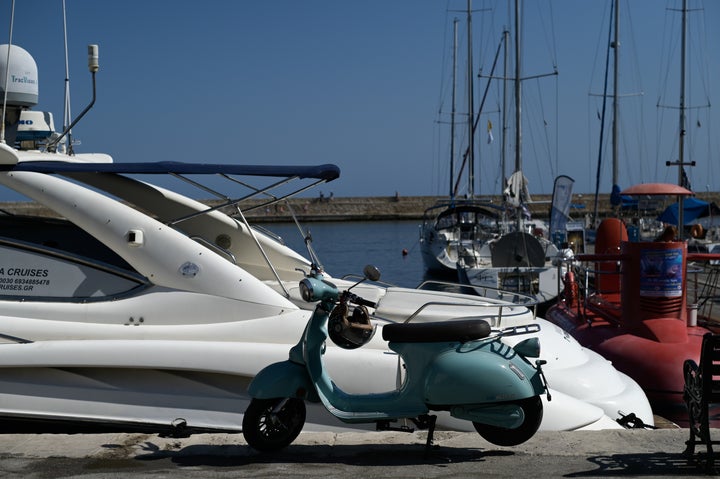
point(306, 290)
point(314, 289)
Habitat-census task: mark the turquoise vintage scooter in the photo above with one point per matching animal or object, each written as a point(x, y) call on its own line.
point(457, 366)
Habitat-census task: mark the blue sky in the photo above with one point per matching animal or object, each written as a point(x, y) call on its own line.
point(362, 83)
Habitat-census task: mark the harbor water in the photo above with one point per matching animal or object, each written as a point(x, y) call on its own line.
point(345, 247)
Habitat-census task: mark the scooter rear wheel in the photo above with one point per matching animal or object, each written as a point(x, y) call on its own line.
point(502, 436)
point(272, 424)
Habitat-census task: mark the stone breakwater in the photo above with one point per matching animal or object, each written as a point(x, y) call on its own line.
point(377, 208)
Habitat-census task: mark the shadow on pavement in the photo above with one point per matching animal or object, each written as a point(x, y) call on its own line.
point(380, 455)
point(655, 464)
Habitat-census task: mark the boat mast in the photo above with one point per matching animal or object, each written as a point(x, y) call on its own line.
point(518, 91)
point(681, 144)
point(615, 128)
point(518, 110)
point(610, 45)
point(471, 105)
point(503, 147)
point(452, 114)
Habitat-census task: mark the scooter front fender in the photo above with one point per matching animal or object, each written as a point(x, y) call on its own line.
point(285, 379)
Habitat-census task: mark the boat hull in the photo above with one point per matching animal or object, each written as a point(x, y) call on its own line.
point(636, 315)
point(656, 366)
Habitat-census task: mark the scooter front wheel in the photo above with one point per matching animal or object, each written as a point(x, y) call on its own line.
point(502, 436)
point(272, 424)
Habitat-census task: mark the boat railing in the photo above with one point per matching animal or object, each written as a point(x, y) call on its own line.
point(592, 268)
point(703, 290)
point(212, 246)
point(357, 277)
point(503, 310)
point(702, 281)
point(449, 286)
point(269, 233)
point(516, 298)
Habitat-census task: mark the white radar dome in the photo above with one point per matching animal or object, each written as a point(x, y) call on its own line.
point(21, 75)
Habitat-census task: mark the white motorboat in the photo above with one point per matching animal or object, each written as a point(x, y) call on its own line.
point(140, 308)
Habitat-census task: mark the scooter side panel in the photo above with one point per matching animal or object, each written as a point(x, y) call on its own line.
point(487, 374)
point(285, 379)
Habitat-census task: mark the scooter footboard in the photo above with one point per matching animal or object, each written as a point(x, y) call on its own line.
point(507, 416)
point(283, 380)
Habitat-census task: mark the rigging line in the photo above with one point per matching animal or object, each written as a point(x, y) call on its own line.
point(602, 118)
point(549, 38)
point(637, 81)
point(443, 63)
point(480, 109)
point(545, 125)
point(635, 54)
point(703, 42)
point(598, 50)
point(666, 55)
point(557, 125)
point(7, 73)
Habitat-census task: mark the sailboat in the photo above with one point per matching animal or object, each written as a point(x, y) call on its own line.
point(454, 229)
point(521, 259)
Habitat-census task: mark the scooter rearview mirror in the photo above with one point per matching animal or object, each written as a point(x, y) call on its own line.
point(371, 272)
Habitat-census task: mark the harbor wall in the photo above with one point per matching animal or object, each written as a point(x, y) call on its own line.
point(377, 208)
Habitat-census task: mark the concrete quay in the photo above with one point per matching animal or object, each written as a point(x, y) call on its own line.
point(608, 453)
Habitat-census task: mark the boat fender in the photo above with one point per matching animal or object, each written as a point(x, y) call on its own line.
point(570, 292)
point(696, 231)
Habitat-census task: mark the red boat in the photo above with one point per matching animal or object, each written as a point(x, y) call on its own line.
point(629, 302)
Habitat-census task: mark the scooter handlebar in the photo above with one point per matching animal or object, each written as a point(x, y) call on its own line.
point(317, 289)
point(353, 298)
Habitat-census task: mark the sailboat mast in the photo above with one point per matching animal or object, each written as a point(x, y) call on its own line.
point(452, 114)
point(681, 145)
point(518, 92)
point(518, 111)
point(616, 56)
point(471, 105)
point(503, 153)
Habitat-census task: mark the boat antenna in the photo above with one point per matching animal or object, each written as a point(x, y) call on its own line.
point(7, 74)
point(93, 66)
point(66, 114)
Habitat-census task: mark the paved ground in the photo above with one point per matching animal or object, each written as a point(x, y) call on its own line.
point(624, 453)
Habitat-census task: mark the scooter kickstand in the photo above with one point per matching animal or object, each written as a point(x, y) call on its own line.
point(431, 433)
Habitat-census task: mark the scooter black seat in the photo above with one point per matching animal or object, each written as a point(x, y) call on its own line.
point(461, 330)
